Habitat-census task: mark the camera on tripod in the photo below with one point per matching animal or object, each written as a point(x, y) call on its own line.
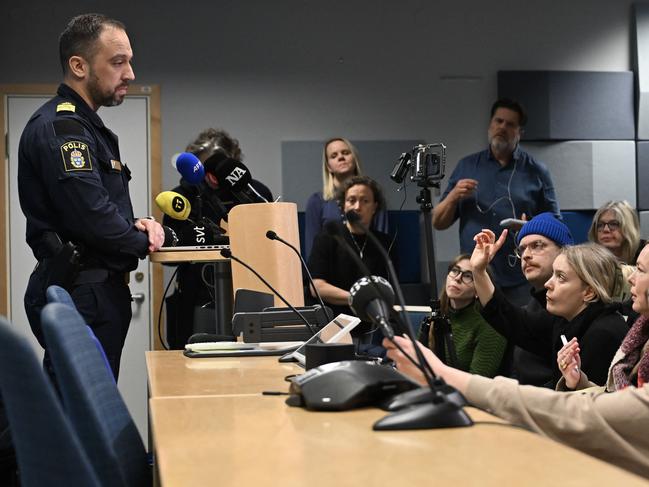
point(426, 163)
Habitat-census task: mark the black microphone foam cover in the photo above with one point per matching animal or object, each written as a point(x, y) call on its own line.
point(271, 235)
point(364, 292)
point(171, 239)
point(226, 253)
point(231, 174)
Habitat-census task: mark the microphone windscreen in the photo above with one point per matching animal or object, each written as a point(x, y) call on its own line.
point(271, 235)
point(352, 216)
point(226, 253)
point(232, 175)
point(363, 292)
point(171, 239)
point(174, 205)
point(190, 168)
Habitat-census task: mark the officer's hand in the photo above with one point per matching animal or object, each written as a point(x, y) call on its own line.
point(154, 230)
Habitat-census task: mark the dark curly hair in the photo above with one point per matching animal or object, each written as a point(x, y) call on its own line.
point(341, 192)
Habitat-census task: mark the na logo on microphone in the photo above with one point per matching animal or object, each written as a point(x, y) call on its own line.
point(235, 175)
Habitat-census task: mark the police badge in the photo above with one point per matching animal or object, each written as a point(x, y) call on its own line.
point(76, 156)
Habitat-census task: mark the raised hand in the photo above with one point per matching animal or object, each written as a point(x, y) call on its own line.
point(485, 248)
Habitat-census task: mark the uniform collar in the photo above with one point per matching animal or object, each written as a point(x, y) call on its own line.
point(66, 92)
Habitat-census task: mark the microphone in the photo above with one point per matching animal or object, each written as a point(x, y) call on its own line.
point(235, 177)
point(171, 239)
point(174, 205)
point(438, 406)
point(227, 253)
point(273, 236)
point(190, 168)
point(372, 298)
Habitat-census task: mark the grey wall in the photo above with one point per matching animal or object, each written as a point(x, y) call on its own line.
point(306, 70)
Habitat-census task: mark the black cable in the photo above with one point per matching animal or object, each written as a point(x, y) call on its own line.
point(162, 302)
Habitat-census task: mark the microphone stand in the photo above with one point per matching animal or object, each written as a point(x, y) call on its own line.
point(439, 411)
point(273, 236)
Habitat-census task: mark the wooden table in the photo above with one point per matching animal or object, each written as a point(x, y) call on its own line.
point(179, 256)
point(233, 435)
point(171, 374)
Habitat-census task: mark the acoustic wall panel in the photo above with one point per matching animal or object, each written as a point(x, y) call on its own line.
point(302, 169)
point(642, 168)
point(640, 50)
point(587, 174)
point(573, 105)
point(644, 223)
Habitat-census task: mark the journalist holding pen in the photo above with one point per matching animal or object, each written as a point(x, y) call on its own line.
point(73, 187)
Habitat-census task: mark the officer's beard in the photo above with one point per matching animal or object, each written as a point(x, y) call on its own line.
point(99, 97)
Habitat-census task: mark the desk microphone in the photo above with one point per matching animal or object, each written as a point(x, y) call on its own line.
point(228, 255)
point(434, 408)
point(370, 305)
point(273, 236)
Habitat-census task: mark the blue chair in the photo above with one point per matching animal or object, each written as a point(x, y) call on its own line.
point(92, 401)
point(56, 294)
point(47, 448)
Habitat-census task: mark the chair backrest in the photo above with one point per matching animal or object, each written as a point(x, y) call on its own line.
point(47, 448)
point(92, 401)
point(56, 294)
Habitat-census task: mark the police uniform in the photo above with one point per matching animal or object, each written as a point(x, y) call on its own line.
point(71, 181)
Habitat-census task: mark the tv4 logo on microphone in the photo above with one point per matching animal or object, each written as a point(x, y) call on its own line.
point(236, 174)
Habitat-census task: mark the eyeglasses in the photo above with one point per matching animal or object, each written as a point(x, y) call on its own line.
point(535, 248)
point(612, 225)
point(467, 276)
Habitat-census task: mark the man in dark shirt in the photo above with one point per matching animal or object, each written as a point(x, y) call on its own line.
point(73, 185)
point(500, 182)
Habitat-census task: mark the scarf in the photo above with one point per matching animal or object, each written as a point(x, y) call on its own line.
point(629, 357)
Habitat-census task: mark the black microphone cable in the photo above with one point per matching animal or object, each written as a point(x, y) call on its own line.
point(273, 236)
point(227, 253)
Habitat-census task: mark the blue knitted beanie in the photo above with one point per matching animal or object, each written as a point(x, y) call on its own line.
point(549, 226)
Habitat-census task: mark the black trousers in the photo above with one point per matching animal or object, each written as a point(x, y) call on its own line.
point(105, 306)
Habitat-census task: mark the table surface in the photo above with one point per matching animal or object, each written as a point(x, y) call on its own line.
point(173, 374)
point(212, 426)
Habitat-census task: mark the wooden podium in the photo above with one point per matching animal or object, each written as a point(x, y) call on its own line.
point(278, 264)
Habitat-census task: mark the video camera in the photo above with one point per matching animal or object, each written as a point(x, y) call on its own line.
point(426, 163)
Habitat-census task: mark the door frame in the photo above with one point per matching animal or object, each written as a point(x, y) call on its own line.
point(152, 92)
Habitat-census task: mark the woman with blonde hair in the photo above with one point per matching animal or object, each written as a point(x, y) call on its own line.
point(340, 162)
point(616, 227)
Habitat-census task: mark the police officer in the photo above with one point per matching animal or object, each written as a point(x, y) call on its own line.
point(73, 186)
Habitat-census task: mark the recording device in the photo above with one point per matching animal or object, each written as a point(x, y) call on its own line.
point(273, 236)
point(372, 298)
point(512, 222)
point(228, 255)
point(174, 205)
point(189, 167)
point(171, 239)
point(426, 163)
point(234, 176)
point(202, 231)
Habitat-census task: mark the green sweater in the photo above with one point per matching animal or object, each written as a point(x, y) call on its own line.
point(479, 347)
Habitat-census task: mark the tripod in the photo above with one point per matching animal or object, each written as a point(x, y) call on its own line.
point(440, 323)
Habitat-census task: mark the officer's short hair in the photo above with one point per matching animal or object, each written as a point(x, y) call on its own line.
point(80, 36)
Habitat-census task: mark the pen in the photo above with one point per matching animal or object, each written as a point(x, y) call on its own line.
point(564, 340)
